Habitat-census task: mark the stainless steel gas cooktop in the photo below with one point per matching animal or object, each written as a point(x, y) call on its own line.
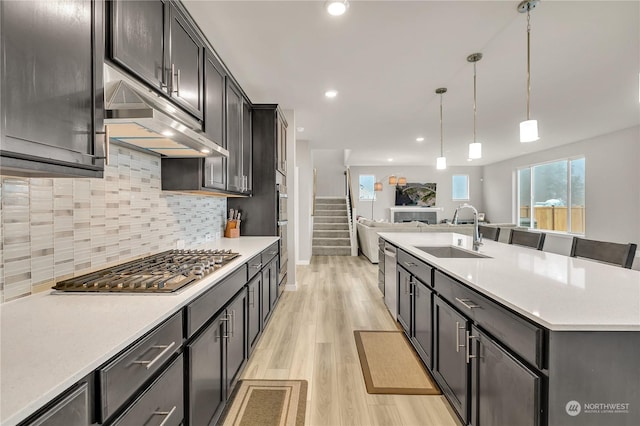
point(164, 272)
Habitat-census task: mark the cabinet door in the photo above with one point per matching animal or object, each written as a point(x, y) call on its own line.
point(405, 284)
point(51, 85)
point(205, 373)
point(236, 336)
point(247, 140)
point(504, 391)
point(254, 321)
point(235, 181)
point(72, 410)
point(273, 282)
point(185, 63)
point(137, 39)
point(450, 363)
point(266, 295)
point(422, 321)
point(214, 87)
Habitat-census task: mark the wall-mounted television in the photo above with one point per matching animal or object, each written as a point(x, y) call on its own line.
point(416, 194)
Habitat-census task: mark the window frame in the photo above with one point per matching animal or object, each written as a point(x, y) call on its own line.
point(569, 201)
point(360, 186)
point(453, 198)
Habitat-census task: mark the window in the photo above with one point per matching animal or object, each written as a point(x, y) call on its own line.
point(553, 195)
point(460, 188)
point(367, 192)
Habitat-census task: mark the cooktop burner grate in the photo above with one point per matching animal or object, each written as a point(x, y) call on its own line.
point(164, 272)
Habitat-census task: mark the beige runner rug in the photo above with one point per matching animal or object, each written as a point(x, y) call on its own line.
point(391, 366)
point(266, 403)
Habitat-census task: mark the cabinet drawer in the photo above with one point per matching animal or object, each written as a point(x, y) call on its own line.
point(162, 403)
point(515, 332)
point(416, 267)
point(254, 265)
point(205, 307)
point(269, 253)
point(122, 376)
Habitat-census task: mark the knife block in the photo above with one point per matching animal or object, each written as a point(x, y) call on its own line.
point(232, 230)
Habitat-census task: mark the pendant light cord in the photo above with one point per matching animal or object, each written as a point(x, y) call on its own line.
point(441, 143)
point(474, 102)
point(528, 61)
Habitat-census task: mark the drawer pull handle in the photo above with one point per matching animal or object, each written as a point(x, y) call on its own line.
point(469, 304)
point(233, 322)
point(458, 328)
point(410, 264)
point(167, 414)
point(469, 356)
point(165, 349)
point(257, 265)
point(252, 300)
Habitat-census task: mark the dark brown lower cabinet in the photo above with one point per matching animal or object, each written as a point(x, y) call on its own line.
point(450, 366)
point(422, 336)
point(214, 359)
point(503, 390)
point(254, 320)
point(405, 285)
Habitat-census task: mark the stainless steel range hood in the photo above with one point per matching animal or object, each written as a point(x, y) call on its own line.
point(137, 116)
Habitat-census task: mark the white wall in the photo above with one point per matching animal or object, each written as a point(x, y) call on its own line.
point(612, 175)
point(424, 174)
point(330, 167)
point(304, 167)
point(292, 201)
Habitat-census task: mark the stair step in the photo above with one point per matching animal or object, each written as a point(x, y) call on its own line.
point(330, 200)
point(324, 242)
point(331, 251)
point(331, 212)
point(330, 226)
point(323, 206)
point(331, 233)
point(330, 219)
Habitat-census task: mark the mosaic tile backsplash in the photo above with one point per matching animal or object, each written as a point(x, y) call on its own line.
point(54, 228)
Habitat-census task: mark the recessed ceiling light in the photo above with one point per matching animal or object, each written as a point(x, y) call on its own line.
point(389, 159)
point(300, 129)
point(331, 93)
point(167, 133)
point(420, 139)
point(336, 7)
point(205, 151)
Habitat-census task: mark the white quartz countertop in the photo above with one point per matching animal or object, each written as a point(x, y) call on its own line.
point(558, 292)
point(50, 341)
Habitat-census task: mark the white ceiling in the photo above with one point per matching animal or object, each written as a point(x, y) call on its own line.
point(386, 58)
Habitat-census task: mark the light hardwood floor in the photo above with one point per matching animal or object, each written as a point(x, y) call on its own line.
point(310, 337)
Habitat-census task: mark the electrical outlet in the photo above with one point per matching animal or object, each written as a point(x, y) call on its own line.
point(180, 244)
point(207, 236)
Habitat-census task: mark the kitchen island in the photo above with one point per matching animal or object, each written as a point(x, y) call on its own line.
point(50, 341)
point(555, 338)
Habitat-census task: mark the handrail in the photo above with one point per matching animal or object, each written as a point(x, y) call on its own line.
point(315, 179)
point(351, 210)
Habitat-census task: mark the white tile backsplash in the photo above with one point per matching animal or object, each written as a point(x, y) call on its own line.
point(54, 228)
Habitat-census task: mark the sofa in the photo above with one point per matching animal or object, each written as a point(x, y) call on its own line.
point(368, 230)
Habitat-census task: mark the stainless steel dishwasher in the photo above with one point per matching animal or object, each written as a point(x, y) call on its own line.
point(390, 285)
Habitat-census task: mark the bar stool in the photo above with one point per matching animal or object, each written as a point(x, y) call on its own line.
point(527, 238)
point(604, 251)
point(489, 232)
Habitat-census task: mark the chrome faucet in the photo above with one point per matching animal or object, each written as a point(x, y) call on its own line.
point(477, 238)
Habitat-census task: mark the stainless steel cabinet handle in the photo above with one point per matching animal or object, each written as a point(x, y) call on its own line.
point(469, 356)
point(465, 303)
point(411, 286)
point(233, 322)
point(225, 319)
point(458, 328)
point(257, 266)
point(106, 144)
point(178, 82)
point(167, 414)
point(173, 80)
point(252, 300)
point(409, 264)
point(165, 349)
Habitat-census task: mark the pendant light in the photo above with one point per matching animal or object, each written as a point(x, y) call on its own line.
point(475, 148)
point(441, 162)
point(528, 128)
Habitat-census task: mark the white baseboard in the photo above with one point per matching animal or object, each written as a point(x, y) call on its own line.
point(303, 262)
point(290, 287)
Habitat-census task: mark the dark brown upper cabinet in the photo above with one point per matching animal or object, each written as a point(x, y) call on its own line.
point(155, 41)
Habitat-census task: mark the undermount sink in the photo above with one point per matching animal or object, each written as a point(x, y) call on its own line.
point(451, 252)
